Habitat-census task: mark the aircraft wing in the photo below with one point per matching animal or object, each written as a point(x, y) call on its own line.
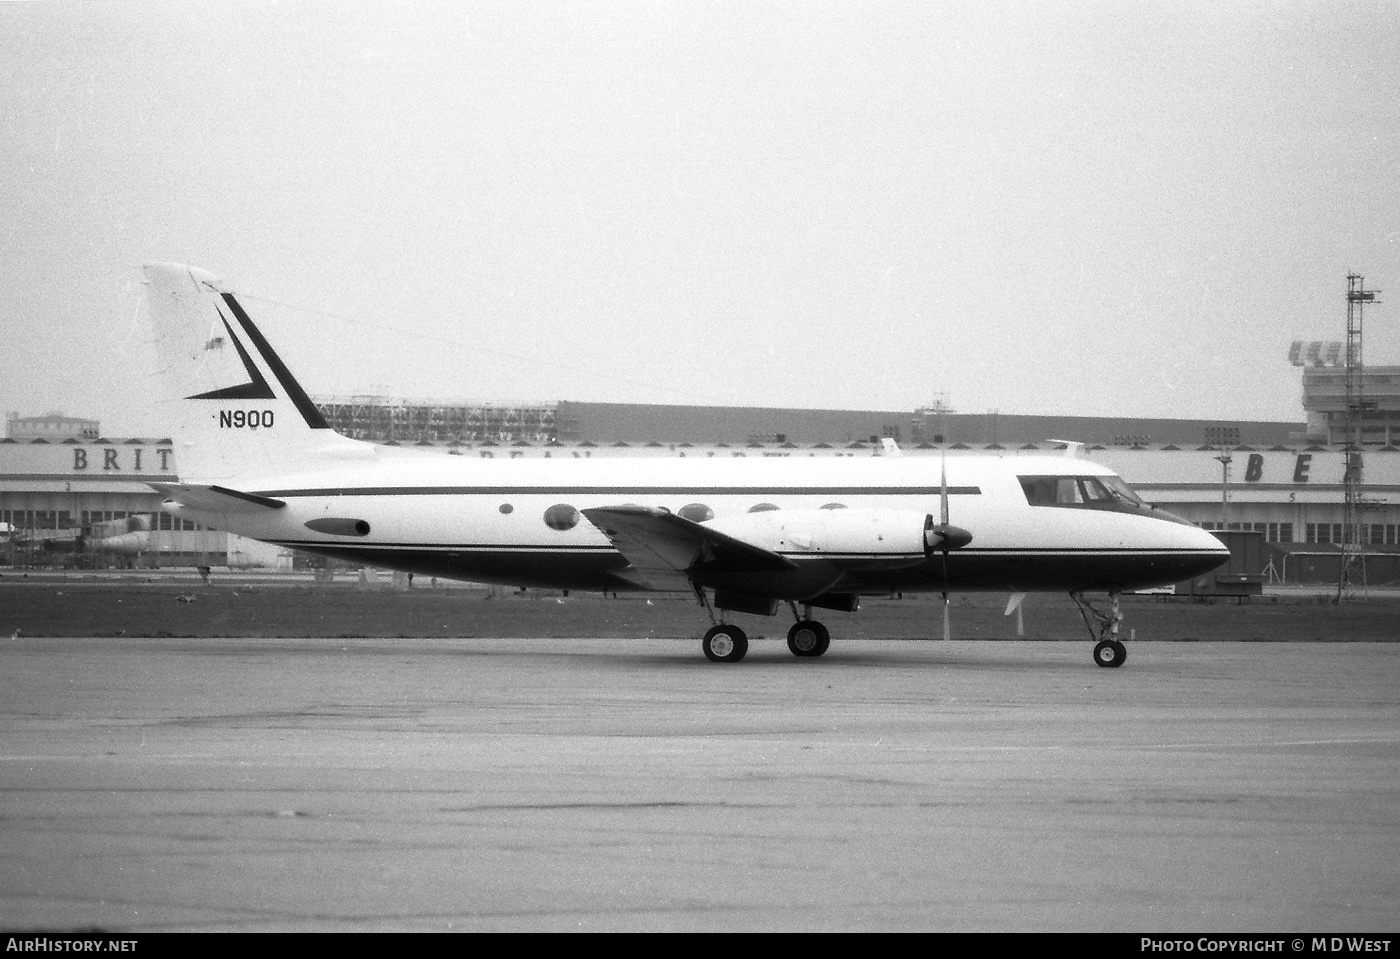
point(665, 550)
point(217, 499)
point(48, 538)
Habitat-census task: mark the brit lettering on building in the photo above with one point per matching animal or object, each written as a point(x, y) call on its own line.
point(134, 459)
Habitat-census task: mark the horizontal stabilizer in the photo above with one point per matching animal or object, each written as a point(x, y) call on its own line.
point(666, 551)
point(217, 499)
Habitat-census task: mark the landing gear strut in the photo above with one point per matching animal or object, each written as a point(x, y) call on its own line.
point(1110, 651)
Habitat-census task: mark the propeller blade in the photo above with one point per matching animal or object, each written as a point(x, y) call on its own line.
point(943, 493)
point(947, 630)
point(942, 530)
point(1014, 606)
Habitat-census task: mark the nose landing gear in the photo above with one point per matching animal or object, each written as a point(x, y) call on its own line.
point(1110, 651)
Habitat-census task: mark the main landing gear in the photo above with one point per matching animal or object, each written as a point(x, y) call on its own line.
point(723, 642)
point(727, 643)
point(807, 637)
point(1110, 651)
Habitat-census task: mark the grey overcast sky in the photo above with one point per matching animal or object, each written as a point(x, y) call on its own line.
point(1093, 208)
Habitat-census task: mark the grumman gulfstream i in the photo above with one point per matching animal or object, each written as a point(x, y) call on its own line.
point(257, 458)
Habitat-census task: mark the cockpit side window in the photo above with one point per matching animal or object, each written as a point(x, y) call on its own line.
point(1039, 490)
point(1094, 491)
point(1083, 492)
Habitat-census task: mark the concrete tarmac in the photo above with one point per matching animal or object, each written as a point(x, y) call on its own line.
point(625, 784)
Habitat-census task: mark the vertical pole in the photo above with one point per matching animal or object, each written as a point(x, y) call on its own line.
point(1224, 460)
point(1356, 405)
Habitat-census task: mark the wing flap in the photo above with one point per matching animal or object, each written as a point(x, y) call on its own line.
point(217, 499)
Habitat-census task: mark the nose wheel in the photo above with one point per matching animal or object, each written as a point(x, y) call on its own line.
point(1110, 652)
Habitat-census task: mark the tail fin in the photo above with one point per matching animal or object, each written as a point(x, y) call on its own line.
point(235, 407)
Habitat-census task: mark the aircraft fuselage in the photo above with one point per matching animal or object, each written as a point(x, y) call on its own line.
point(855, 522)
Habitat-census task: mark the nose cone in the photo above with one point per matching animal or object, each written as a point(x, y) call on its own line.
point(1201, 552)
point(1170, 551)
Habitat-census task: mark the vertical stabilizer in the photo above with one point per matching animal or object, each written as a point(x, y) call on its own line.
point(234, 407)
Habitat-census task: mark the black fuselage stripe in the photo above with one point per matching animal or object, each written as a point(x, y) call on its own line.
point(674, 491)
point(585, 548)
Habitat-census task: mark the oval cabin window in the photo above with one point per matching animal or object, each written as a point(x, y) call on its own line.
point(562, 517)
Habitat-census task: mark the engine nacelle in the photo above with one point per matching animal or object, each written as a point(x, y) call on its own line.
point(872, 532)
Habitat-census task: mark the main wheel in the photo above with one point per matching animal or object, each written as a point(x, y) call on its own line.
point(725, 644)
point(1110, 653)
point(808, 638)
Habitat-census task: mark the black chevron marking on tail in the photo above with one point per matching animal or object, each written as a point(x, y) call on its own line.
point(295, 393)
point(255, 389)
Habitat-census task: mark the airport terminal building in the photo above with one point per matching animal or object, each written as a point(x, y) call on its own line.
point(1285, 481)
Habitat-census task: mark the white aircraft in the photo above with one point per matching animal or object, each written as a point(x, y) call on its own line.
point(257, 458)
point(128, 536)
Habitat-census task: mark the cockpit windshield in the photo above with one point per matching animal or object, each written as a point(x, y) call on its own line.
point(1121, 490)
point(1092, 492)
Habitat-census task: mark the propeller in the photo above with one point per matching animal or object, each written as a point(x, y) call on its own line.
point(944, 537)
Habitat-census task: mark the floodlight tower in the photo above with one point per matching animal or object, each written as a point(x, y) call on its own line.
point(1356, 405)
